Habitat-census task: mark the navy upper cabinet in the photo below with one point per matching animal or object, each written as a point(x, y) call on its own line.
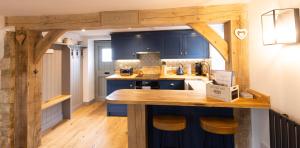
point(151, 42)
point(194, 46)
point(124, 47)
point(171, 44)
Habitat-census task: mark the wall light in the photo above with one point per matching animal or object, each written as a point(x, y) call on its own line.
point(281, 26)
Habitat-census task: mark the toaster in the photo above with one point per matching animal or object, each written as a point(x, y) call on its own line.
point(126, 71)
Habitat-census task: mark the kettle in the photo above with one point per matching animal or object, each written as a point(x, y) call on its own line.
point(180, 70)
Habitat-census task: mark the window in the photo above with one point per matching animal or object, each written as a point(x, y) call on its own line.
point(217, 61)
point(106, 55)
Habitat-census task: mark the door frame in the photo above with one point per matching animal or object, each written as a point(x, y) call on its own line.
point(97, 87)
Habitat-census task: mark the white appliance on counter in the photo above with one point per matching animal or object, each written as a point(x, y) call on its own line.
point(198, 85)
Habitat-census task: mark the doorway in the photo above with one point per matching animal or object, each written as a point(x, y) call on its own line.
point(103, 66)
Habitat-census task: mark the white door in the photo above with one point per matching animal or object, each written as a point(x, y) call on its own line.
point(104, 66)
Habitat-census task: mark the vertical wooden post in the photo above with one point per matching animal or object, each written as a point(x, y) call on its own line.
point(30, 47)
point(238, 62)
point(28, 92)
point(137, 126)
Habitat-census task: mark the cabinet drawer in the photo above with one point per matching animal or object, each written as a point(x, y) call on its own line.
point(172, 84)
point(113, 85)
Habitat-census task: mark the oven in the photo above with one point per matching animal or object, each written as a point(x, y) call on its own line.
point(146, 84)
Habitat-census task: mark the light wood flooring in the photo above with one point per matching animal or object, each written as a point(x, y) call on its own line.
point(88, 128)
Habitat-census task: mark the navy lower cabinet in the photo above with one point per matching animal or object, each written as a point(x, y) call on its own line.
point(193, 136)
point(113, 85)
point(171, 84)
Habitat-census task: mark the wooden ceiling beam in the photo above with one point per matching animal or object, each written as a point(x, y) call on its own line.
point(210, 35)
point(131, 18)
point(45, 43)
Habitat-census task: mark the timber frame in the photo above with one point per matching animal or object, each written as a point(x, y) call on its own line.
point(32, 46)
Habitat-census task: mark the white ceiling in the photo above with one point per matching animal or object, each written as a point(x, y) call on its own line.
point(53, 7)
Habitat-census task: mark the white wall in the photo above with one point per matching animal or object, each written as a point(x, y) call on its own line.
point(89, 71)
point(274, 70)
point(73, 36)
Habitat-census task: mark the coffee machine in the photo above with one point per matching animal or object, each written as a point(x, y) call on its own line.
point(202, 68)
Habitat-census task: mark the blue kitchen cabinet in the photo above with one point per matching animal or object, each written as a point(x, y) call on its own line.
point(172, 46)
point(172, 84)
point(194, 45)
point(179, 44)
point(151, 42)
point(113, 85)
point(124, 47)
point(185, 44)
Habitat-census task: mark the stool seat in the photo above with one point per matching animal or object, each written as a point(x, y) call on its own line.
point(169, 123)
point(223, 126)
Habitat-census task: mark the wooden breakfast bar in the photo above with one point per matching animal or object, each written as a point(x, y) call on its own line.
point(138, 100)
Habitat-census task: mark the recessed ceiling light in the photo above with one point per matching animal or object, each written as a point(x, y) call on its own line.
point(83, 30)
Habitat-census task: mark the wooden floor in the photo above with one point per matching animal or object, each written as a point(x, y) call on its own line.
point(88, 128)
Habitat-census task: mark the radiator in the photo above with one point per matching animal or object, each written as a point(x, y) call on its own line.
point(284, 133)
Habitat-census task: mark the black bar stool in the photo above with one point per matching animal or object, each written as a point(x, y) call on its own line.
point(219, 126)
point(166, 123)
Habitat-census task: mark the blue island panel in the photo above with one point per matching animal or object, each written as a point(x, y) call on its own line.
point(193, 135)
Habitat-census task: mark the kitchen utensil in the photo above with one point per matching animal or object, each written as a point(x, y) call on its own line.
point(180, 70)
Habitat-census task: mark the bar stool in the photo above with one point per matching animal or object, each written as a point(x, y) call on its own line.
point(219, 126)
point(170, 124)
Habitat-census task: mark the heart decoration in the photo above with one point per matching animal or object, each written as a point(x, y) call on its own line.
point(20, 38)
point(241, 33)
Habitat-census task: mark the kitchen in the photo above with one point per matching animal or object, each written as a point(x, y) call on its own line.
point(150, 74)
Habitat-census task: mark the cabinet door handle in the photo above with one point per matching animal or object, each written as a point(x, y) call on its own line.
point(180, 52)
point(172, 84)
point(130, 85)
point(185, 52)
point(133, 54)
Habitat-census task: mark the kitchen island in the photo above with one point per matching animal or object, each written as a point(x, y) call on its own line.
point(139, 100)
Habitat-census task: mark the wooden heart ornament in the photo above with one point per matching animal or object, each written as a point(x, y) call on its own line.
point(20, 37)
point(241, 33)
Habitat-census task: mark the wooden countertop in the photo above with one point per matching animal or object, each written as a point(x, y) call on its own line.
point(182, 98)
point(161, 77)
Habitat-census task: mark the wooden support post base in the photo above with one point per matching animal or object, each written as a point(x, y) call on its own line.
point(137, 126)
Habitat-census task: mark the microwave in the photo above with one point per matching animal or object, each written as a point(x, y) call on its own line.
point(126, 71)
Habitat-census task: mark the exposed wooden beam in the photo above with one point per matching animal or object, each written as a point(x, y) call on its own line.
point(130, 18)
point(44, 44)
point(216, 40)
point(238, 62)
point(28, 93)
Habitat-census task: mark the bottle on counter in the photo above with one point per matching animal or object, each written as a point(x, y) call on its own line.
point(189, 69)
point(164, 69)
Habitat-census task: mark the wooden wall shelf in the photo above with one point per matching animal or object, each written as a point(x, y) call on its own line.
point(65, 44)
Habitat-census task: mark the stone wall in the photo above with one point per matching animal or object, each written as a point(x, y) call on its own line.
point(7, 87)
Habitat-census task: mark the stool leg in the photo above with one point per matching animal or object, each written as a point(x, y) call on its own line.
point(161, 139)
point(204, 140)
point(181, 139)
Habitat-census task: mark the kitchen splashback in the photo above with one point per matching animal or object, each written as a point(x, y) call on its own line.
point(153, 59)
